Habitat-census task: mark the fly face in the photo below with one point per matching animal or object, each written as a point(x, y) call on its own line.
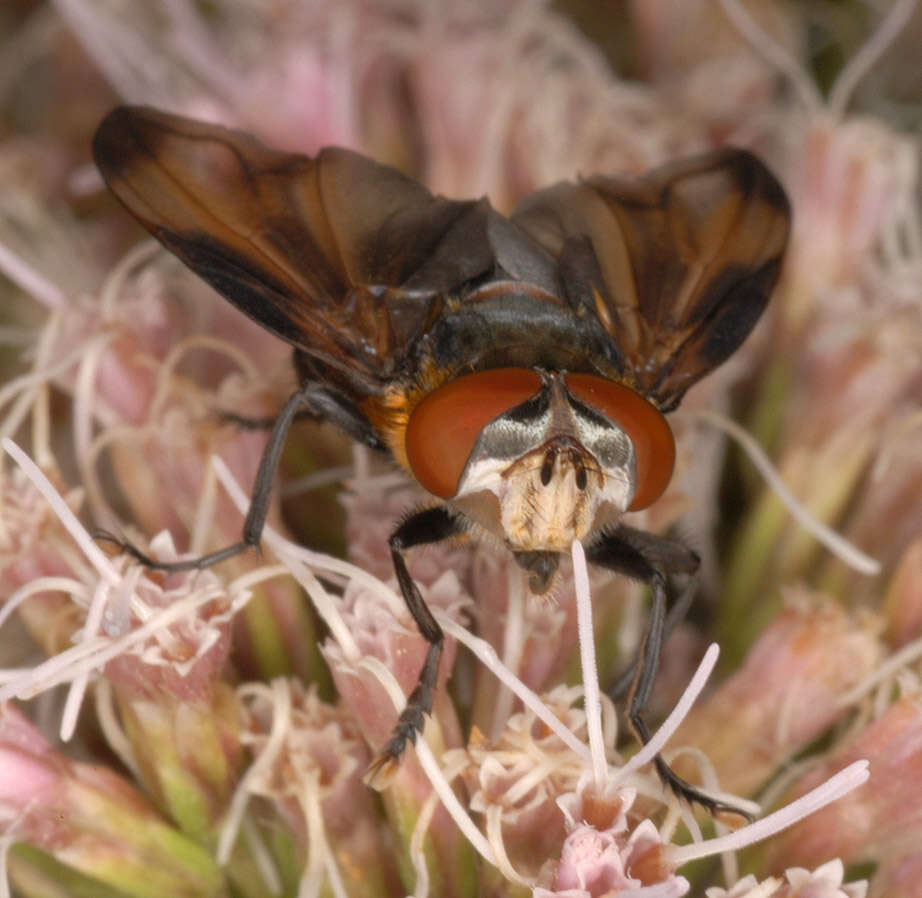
point(558, 464)
point(518, 367)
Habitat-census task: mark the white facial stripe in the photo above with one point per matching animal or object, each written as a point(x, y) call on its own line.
point(617, 488)
point(604, 439)
point(509, 438)
point(485, 474)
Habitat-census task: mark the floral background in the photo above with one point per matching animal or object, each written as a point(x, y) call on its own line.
point(206, 734)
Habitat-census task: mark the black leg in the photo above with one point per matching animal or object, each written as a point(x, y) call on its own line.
point(245, 422)
point(643, 556)
point(318, 402)
point(430, 526)
point(618, 689)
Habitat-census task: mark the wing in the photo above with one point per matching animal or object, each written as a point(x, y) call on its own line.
point(345, 258)
point(677, 265)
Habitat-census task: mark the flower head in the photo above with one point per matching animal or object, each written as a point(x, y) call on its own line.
point(228, 715)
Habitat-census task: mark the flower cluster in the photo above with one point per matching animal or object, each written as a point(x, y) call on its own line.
point(207, 732)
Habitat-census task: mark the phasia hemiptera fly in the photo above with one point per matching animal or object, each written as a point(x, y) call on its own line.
point(518, 367)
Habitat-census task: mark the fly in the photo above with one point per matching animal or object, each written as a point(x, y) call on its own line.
point(519, 368)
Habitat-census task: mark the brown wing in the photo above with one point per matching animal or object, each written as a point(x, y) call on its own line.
point(343, 257)
point(677, 265)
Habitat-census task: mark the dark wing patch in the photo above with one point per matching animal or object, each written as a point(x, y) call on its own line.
point(343, 257)
point(677, 265)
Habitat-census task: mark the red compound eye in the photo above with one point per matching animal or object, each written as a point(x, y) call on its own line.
point(445, 425)
point(649, 431)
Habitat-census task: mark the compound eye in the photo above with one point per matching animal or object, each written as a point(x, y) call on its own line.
point(654, 444)
point(445, 425)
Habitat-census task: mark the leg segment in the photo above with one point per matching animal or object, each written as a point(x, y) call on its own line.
point(643, 556)
point(244, 422)
point(676, 614)
point(425, 527)
point(317, 401)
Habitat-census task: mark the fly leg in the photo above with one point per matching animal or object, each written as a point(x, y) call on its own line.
point(424, 527)
point(623, 681)
point(317, 401)
point(650, 559)
point(245, 422)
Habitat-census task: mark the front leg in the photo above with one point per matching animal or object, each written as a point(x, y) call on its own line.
point(424, 527)
point(620, 686)
point(314, 400)
point(651, 559)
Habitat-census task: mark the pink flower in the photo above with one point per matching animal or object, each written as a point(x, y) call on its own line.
point(91, 819)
